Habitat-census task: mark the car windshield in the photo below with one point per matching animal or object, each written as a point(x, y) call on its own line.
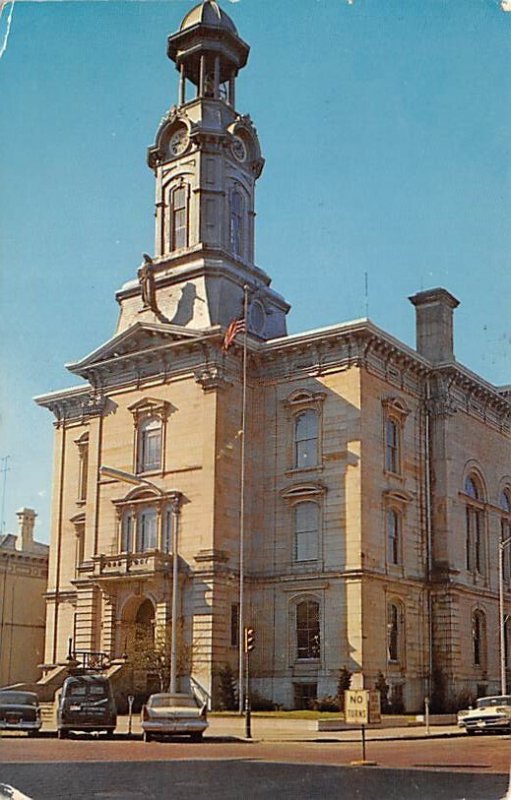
point(487, 702)
point(172, 701)
point(17, 699)
point(80, 690)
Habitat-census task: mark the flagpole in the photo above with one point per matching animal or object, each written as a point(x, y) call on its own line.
point(241, 621)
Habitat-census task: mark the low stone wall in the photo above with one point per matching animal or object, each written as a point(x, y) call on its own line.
point(389, 722)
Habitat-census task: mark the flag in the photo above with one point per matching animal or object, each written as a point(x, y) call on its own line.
point(234, 327)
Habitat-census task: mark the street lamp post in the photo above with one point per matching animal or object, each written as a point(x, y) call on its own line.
point(502, 622)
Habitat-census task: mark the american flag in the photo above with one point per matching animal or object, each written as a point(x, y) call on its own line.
point(234, 327)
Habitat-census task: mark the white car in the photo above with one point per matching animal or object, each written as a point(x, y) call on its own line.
point(174, 715)
point(490, 714)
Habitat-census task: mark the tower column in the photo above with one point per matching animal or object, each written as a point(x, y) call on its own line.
point(216, 90)
point(182, 86)
point(202, 76)
point(232, 97)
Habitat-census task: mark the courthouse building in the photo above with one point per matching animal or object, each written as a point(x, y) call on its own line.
point(377, 476)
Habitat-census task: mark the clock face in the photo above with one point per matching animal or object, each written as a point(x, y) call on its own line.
point(238, 149)
point(178, 142)
point(257, 317)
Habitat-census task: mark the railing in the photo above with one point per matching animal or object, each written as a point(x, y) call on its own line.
point(87, 660)
point(200, 692)
point(132, 563)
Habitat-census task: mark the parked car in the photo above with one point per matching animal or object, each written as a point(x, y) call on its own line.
point(19, 711)
point(490, 714)
point(174, 715)
point(86, 704)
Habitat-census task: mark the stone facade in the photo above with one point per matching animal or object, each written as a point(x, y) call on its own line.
point(23, 578)
point(377, 477)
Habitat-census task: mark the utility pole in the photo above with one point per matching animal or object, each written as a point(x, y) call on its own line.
point(5, 468)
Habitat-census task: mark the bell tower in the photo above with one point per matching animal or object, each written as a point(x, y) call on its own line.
point(206, 159)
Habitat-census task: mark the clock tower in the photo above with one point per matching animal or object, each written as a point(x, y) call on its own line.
point(206, 159)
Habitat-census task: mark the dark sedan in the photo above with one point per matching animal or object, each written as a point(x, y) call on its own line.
point(19, 711)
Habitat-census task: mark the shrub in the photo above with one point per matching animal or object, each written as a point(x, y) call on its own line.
point(343, 685)
point(227, 685)
point(326, 704)
point(259, 703)
point(382, 686)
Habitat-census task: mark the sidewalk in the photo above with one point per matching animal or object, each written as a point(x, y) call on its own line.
point(288, 730)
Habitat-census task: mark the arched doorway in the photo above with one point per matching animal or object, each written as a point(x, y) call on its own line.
point(137, 624)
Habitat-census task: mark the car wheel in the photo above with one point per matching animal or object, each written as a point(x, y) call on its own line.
point(109, 734)
point(147, 736)
point(32, 733)
point(196, 737)
point(61, 734)
point(469, 732)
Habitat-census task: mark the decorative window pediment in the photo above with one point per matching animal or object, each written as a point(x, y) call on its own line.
point(305, 397)
point(150, 407)
point(397, 496)
point(396, 406)
point(302, 491)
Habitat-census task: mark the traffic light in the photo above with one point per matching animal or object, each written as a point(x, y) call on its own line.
point(249, 639)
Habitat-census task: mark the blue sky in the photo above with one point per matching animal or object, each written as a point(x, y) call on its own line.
point(386, 128)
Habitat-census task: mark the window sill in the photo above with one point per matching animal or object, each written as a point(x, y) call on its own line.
point(398, 476)
point(301, 470)
point(151, 472)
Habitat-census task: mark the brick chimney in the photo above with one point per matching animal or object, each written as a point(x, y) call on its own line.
point(26, 522)
point(434, 324)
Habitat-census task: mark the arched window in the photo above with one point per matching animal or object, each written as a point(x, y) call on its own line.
point(392, 446)
point(306, 439)
point(474, 526)
point(306, 531)
point(236, 222)
point(149, 444)
point(307, 630)
point(395, 625)
point(393, 536)
point(178, 218)
point(479, 639)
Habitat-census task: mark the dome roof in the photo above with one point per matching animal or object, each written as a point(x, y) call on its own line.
point(208, 13)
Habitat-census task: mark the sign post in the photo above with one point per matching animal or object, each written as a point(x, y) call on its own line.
point(362, 707)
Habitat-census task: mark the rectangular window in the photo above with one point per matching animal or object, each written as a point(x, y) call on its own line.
point(179, 219)
point(83, 472)
point(307, 630)
point(505, 536)
point(306, 531)
point(151, 456)
point(127, 531)
point(474, 540)
point(306, 429)
point(147, 530)
point(235, 624)
point(392, 446)
point(393, 525)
